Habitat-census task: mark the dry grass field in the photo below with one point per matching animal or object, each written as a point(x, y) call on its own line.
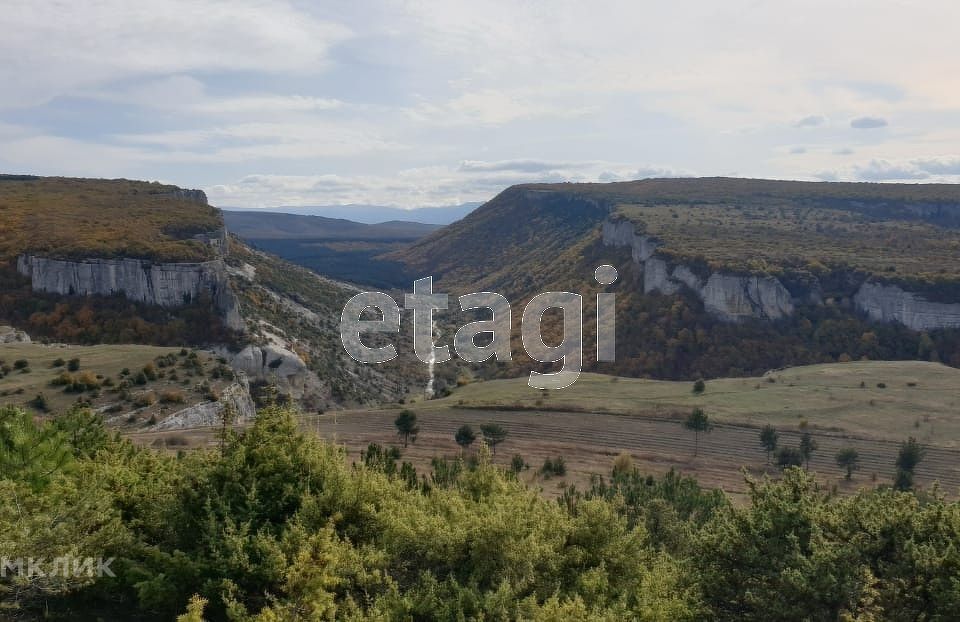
point(114, 370)
point(599, 417)
point(884, 400)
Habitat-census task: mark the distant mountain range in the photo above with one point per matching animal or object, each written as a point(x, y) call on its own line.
point(257, 225)
point(338, 248)
point(375, 214)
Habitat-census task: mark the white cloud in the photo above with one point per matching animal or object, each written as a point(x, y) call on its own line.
point(942, 169)
point(55, 48)
point(417, 187)
point(868, 123)
point(429, 102)
point(814, 120)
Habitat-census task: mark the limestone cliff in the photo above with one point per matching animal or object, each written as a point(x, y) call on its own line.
point(236, 397)
point(162, 284)
point(728, 296)
point(889, 303)
point(278, 366)
point(735, 297)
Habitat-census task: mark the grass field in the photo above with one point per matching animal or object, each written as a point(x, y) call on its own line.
point(916, 399)
point(599, 417)
point(106, 364)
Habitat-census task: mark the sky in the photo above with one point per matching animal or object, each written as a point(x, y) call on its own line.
point(414, 104)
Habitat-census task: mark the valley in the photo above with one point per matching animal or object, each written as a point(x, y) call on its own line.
point(599, 417)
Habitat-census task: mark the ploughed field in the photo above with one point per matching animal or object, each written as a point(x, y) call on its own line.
point(588, 443)
point(599, 417)
point(590, 423)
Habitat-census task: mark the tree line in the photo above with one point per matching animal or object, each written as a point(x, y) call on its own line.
point(275, 524)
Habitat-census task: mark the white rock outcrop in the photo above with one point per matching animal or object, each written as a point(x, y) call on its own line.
point(8, 334)
point(889, 303)
point(205, 414)
point(276, 365)
point(735, 297)
point(728, 296)
point(162, 284)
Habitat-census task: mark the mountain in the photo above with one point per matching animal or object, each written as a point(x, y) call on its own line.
point(257, 225)
point(374, 214)
point(724, 276)
point(93, 261)
point(334, 247)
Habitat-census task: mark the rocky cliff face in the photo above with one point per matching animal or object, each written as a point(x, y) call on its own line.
point(729, 297)
point(236, 397)
point(735, 297)
point(889, 303)
point(8, 334)
point(278, 366)
point(162, 284)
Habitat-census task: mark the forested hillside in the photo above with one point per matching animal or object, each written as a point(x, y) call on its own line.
point(276, 525)
point(723, 276)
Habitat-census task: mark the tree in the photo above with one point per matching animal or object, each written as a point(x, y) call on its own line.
point(808, 445)
point(465, 436)
point(789, 457)
point(911, 454)
point(407, 426)
point(849, 459)
point(769, 438)
point(493, 434)
point(31, 452)
point(698, 422)
point(699, 386)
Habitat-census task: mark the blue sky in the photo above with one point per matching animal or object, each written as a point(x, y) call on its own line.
point(412, 104)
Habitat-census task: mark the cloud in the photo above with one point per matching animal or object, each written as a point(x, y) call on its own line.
point(814, 120)
point(941, 165)
point(882, 170)
point(524, 166)
point(942, 169)
point(797, 150)
point(53, 48)
point(268, 140)
point(416, 187)
point(868, 123)
point(491, 107)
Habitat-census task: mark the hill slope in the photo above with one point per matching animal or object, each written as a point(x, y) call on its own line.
point(726, 276)
point(88, 261)
point(341, 249)
point(258, 225)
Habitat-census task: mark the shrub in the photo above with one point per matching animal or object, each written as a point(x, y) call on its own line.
point(40, 403)
point(517, 464)
point(699, 386)
point(62, 380)
point(58, 363)
point(622, 464)
point(145, 399)
point(150, 371)
point(21, 364)
point(172, 396)
point(556, 466)
point(788, 457)
point(73, 364)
